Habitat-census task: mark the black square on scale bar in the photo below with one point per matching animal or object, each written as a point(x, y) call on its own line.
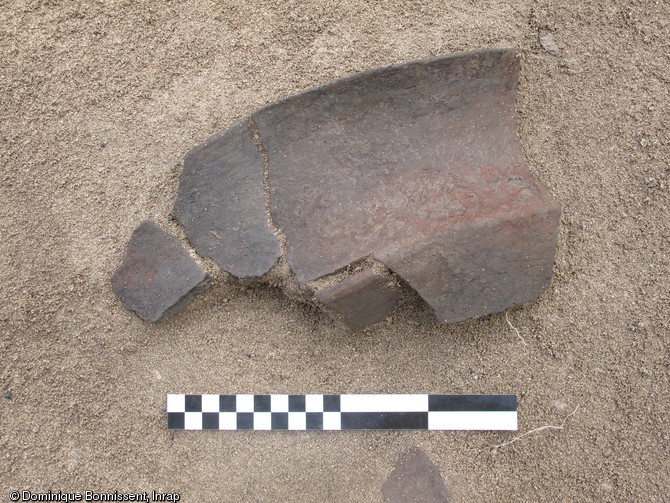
point(227, 403)
point(193, 403)
point(245, 420)
point(279, 421)
point(296, 403)
point(210, 420)
point(331, 403)
point(175, 420)
point(314, 420)
point(262, 403)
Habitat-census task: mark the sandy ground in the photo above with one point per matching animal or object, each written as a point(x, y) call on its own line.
point(99, 103)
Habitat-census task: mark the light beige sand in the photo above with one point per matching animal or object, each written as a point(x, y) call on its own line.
point(99, 103)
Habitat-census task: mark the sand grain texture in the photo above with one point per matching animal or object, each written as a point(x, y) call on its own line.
point(99, 103)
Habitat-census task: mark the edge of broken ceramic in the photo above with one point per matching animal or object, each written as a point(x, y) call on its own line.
point(244, 122)
point(179, 213)
point(204, 284)
point(313, 298)
point(378, 70)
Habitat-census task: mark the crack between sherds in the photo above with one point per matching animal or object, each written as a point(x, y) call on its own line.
point(367, 262)
point(281, 237)
point(280, 275)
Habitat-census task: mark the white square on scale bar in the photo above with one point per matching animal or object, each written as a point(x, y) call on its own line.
point(279, 403)
point(262, 421)
point(193, 421)
point(210, 403)
point(313, 403)
point(176, 403)
point(472, 420)
point(245, 403)
point(297, 421)
point(227, 420)
point(332, 421)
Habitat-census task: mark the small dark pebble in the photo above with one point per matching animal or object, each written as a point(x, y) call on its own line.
point(8, 396)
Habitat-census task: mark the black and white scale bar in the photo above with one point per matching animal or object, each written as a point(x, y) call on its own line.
point(341, 412)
